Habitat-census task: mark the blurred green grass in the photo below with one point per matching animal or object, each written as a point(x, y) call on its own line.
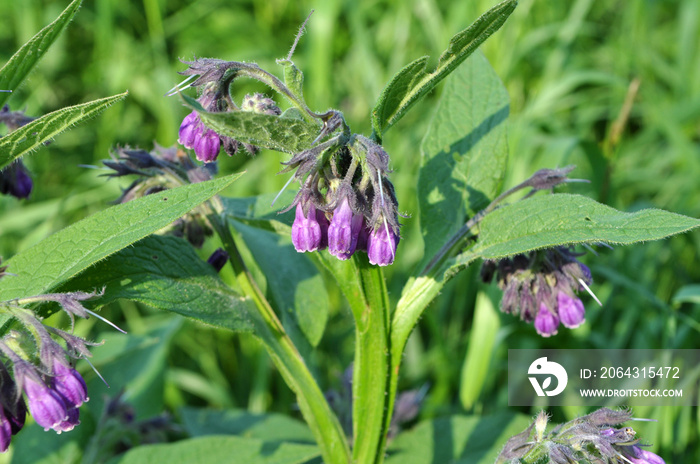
point(568, 67)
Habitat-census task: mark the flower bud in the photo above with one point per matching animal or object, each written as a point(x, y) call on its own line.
point(15, 181)
point(570, 309)
point(218, 259)
point(344, 231)
point(70, 384)
point(190, 128)
point(207, 145)
point(546, 323)
point(381, 246)
point(45, 405)
point(306, 230)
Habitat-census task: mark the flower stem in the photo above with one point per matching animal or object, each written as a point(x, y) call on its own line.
point(371, 367)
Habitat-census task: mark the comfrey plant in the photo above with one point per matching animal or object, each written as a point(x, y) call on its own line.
point(346, 222)
point(597, 437)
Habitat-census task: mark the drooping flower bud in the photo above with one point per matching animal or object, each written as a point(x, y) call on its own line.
point(570, 309)
point(15, 181)
point(546, 323)
point(46, 406)
point(190, 129)
point(381, 246)
point(306, 230)
point(207, 145)
point(218, 259)
point(344, 231)
point(70, 384)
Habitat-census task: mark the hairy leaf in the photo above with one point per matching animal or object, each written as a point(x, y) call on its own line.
point(560, 219)
point(166, 273)
point(414, 81)
point(464, 152)
point(22, 62)
point(220, 450)
point(70, 251)
point(285, 134)
point(31, 136)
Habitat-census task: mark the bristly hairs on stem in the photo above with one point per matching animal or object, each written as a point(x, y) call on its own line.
point(302, 29)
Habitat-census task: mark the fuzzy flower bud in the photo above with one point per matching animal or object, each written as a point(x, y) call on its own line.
point(206, 146)
point(546, 323)
point(46, 406)
point(306, 230)
point(571, 311)
point(344, 231)
point(70, 384)
point(381, 246)
point(15, 181)
point(5, 431)
point(190, 129)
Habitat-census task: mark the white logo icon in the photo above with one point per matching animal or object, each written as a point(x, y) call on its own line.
point(542, 366)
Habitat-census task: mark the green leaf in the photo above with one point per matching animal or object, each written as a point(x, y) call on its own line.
point(286, 134)
point(295, 284)
point(219, 449)
point(64, 254)
point(414, 81)
point(687, 294)
point(560, 219)
point(266, 427)
point(166, 273)
point(464, 152)
point(456, 439)
point(22, 62)
point(482, 343)
point(258, 211)
point(33, 135)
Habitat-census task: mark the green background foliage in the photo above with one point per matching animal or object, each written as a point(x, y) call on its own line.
point(569, 69)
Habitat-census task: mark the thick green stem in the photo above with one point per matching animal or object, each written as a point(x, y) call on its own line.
point(313, 405)
point(370, 372)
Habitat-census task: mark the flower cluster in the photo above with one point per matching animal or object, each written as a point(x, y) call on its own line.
point(159, 170)
point(346, 202)
point(41, 369)
point(541, 286)
point(15, 179)
point(597, 437)
point(205, 142)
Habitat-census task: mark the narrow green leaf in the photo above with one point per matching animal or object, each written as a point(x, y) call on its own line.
point(457, 439)
point(482, 341)
point(22, 62)
point(413, 82)
point(219, 450)
point(64, 254)
point(297, 288)
point(560, 219)
point(285, 134)
point(166, 273)
point(464, 152)
point(31, 136)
